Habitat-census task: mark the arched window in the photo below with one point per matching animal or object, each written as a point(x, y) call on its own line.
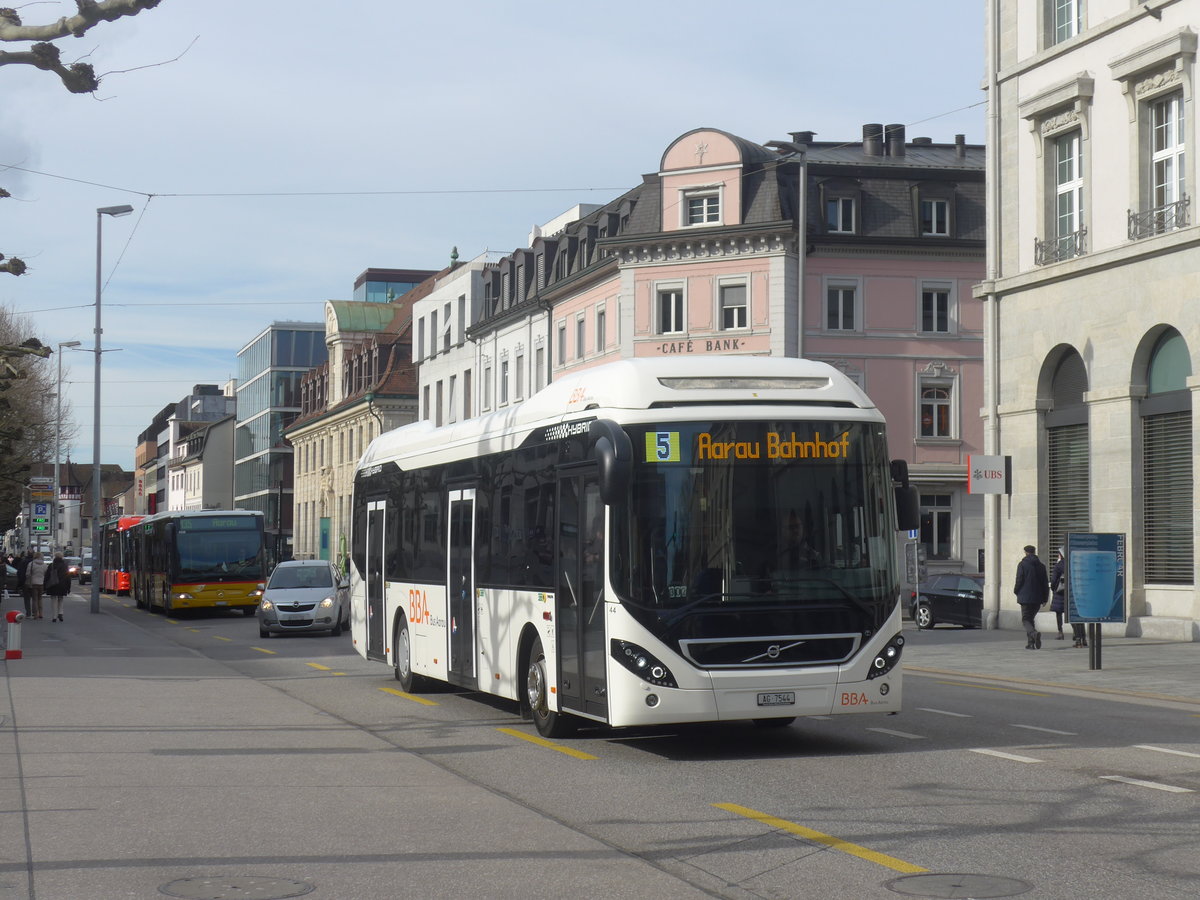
point(1068, 473)
point(1167, 539)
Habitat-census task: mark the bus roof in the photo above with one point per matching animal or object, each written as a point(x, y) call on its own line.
point(199, 513)
point(640, 384)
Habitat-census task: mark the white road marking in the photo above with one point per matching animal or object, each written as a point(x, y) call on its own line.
point(1013, 756)
point(945, 712)
point(1167, 750)
point(903, 734)
point(1046, 730)
point(1148, 784)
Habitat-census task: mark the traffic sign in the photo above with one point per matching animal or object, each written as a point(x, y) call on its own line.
point(41, 509)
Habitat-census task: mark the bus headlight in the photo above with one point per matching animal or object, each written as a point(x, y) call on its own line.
point(183, 596)
point(887, 658)
point(642, 664)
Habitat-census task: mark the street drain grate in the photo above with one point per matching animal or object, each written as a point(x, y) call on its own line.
point(949, 886)
point(236, 887)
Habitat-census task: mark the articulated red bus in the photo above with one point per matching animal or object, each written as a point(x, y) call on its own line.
point(114, 554)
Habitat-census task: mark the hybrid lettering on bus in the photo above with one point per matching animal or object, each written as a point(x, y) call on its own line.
point(648, 541)
point(203, 559)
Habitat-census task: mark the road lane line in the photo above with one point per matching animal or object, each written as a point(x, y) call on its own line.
point(413, 697)
point(318, 666)
point(903, 734)
point(987, 687)
point(220, 638)
point(945, 712)
point(1137, 782)
point(1167, 750)
point(1046, 730)
point(882, 859)
point(263, 650)
point(549, 745)
point(1002, 755)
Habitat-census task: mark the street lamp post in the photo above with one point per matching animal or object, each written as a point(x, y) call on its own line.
point(97, 498)
point(54, 524)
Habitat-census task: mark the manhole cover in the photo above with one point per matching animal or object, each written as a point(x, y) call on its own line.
point(229, 887)
point(958, 887)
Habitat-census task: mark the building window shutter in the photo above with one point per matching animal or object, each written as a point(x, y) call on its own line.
point(1068, 483)
point(1167, 498)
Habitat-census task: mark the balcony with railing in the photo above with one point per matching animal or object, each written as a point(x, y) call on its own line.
point(1160, 219)
point(1056, 249)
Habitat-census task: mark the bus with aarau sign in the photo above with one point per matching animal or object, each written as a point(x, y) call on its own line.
point(644, 542)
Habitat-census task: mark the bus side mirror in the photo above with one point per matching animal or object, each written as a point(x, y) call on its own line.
point(613, 452)
point(908, 508)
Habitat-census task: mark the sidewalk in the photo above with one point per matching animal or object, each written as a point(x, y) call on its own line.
point(132, 766)
point(1131, 668)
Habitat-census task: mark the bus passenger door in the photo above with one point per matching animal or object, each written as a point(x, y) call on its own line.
point(579, 595)
point(460, 589)
point(373, 581)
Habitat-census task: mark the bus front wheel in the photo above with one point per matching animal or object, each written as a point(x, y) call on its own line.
point(402, 661)
point(537, 691)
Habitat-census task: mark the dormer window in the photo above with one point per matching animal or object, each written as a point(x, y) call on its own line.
point(935, 217)
point(839, 215)
point(702, 207)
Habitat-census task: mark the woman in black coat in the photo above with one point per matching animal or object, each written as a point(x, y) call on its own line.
point(58, 585)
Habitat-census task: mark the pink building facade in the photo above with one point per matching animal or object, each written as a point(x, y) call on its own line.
point(710, 255)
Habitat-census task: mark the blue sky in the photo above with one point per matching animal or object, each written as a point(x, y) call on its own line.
point(271, 157)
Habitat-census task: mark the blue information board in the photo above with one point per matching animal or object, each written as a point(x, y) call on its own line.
point(1096, 577)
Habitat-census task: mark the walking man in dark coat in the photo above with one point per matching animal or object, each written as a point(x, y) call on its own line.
point(1032, 589)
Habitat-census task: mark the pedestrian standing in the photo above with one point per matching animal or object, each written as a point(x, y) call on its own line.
point(1058, 588)
point(58, 585)
point(1032, 589)
point(22, 567)
point(36, 574)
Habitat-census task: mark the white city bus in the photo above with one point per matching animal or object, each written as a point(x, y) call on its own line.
point(643, 542)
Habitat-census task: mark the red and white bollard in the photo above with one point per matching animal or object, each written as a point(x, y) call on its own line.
point(13, 649)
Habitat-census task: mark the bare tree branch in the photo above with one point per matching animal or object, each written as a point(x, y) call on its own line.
point(78, 78)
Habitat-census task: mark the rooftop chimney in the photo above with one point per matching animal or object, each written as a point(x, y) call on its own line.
point(802, 137)
point(960, 144)
point(873, 140)
point(894, 137)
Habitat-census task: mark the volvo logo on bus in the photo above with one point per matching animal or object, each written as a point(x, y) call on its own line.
point(773, 651)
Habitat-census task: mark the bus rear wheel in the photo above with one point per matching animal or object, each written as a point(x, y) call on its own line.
point(537, 692)
point(402, 661)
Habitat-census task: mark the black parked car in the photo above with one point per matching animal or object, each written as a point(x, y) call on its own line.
point(948, 599)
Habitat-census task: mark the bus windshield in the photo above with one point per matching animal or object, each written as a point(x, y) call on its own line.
point(219, 555)
point(757, 514)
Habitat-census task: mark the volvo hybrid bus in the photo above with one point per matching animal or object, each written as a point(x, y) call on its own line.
point(644, 542)
point(202, 559)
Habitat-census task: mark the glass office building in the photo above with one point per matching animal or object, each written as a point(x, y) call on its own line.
point(270, 368)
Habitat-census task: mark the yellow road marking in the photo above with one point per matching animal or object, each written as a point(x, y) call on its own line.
point(173, 621)
point(219, 638)
point(318, 666)
point(882, 859)
point(194, 629)
point(549, 745)
point(987, 687)
point(263, 650)
point(413, 697)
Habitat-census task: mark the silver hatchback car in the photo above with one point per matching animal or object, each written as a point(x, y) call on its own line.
point(304, 595)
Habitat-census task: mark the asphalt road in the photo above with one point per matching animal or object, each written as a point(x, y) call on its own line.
point(978, 789)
